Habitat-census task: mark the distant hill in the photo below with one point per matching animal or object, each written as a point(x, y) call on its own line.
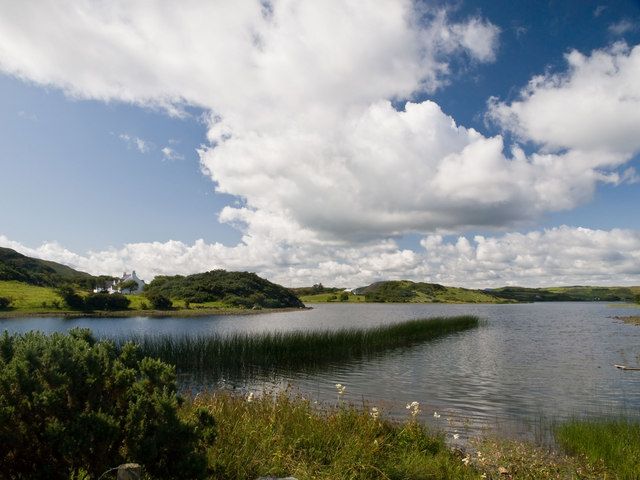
point(234, 288)
point(314, 290)
point(568, 294)
point(15, 266)
point(405, 291)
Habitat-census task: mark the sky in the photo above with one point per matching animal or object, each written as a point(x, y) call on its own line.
point(467, 143)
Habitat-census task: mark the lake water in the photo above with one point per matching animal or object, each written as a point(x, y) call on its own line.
point(527, 362)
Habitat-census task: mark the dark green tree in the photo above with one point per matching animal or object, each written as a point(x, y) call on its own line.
point(159, 301)
point(70, 404)
point(72, 299)
point(5, 302)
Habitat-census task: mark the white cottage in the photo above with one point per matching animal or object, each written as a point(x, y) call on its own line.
point(115, 286)
point(132, 276)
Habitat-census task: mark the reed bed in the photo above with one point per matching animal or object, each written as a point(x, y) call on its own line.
point(250, 351)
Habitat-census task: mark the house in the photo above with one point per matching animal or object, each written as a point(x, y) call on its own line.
point(115, 286)
point(127, 277)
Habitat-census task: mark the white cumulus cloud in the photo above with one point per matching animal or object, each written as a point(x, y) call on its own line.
point(314, 123)
point(557, 256)
point(594, 106)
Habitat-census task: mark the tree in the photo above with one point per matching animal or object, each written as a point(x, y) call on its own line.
point(106, 301)
point(71, 298)
point(159, 302)
point(5, 302)
point(129, 286)
point(70, 404)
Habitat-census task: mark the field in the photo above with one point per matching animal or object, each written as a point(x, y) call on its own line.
point(29, 298)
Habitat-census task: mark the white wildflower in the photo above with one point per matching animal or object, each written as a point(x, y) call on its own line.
point(414, 408)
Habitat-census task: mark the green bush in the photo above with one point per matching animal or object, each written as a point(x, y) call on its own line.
point(71, 298)
point(5, 303)
point(70, 404)
point(159, 301)
point(106, 301)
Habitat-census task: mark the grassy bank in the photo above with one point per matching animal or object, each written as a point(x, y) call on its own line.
point(244, 351)
point(285, 435)
point(281, 436)
point(612, 443)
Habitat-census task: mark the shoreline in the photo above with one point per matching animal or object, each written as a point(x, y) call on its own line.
point(185, 313)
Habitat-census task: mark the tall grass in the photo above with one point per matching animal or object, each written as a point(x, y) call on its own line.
point(285, 435)
point(614, 443)
point(247, 351)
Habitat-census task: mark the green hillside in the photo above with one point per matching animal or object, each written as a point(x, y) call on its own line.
point(405, 291)
point(33, 271)
point(568, 294)
point(241, 289)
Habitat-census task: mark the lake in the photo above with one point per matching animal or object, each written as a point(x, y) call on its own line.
point(526, 365)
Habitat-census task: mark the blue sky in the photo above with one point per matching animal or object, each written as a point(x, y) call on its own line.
point(112, 152)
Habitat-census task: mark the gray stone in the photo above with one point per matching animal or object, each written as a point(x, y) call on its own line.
point(129, 471)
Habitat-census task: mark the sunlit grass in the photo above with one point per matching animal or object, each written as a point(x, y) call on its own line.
point(247, 351)
point(29, 297)
point(284, 435)
point(614, 443)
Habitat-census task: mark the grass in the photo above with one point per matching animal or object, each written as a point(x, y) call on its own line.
point(612, 443)
point(29, 298)
point(332, 298)
point(500, 458)
point(245, 352)
point(283, 435)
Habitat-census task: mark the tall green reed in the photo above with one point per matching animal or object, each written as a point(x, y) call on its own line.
point(240, 352)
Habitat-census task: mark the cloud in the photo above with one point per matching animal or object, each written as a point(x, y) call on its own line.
point(292, 93)
point(599, 10)
point(623, 26)
point(390, 172)
point(557, 256)
point(592, 107)
point(170, 154)
point(143, 146)
point(302, 128)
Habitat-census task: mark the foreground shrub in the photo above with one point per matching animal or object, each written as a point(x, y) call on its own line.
point(70, 404)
